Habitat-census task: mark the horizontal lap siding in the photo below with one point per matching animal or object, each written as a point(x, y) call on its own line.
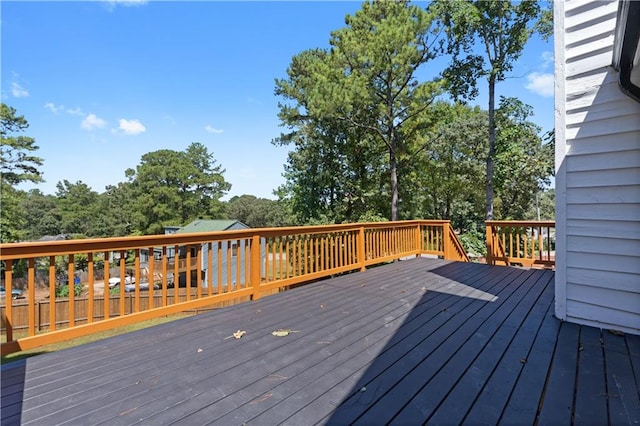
point(601, 176)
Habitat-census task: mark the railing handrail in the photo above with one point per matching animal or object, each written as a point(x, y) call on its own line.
point(533, 223)
point(30, 249)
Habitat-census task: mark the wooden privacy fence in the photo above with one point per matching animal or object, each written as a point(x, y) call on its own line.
point(212, 267)
point(525, 243)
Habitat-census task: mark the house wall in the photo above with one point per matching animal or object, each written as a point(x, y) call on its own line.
point(597, 174)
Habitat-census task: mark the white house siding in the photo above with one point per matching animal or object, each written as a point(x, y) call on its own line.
point(597, 174)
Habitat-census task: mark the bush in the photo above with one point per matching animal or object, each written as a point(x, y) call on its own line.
point(63, 290)
point(473, 241)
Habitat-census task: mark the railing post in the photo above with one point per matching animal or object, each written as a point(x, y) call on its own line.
point(490, 244)
point(361, 249)
point(255, 267)
point(418, 241)
point(446, 241)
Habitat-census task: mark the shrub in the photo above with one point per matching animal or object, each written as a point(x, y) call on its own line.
point(63, 290)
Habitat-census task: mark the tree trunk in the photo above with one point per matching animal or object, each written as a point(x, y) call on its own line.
point(393, 163)
point(492, 146)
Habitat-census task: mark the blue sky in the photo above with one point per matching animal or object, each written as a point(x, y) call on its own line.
point(101, 83)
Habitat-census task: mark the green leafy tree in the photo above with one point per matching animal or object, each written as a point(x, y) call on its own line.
point(449, 173)
point(367, 81)
point(17, 164)
point(118, 202)
point(79, 209)
point(174, 187)
point(41, 214)
point(257, 212)
point(524, 164)
point(485, 39)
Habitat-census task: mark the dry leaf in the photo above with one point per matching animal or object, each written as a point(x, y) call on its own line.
point(281, 333)
point(238, 334)
point(199, 350)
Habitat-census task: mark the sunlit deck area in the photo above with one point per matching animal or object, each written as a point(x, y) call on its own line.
point(420, 340)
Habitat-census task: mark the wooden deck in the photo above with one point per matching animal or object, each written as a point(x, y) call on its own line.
point(415, 341)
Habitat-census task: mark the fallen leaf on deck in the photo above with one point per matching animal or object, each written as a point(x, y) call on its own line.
point(199, 350)
point(238, 334)
point(283, 332)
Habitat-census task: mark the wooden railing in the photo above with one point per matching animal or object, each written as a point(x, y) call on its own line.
point(179, 272)
point(524, 243)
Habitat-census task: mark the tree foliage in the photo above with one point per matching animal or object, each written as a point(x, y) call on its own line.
point(17, 164)
point(365, 86)
point(174, 187)
point(257, 212)
point(485, 38)
point(79, 209)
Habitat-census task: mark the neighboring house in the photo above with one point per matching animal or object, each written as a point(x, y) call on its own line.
point(59, 237)
point(230, 265)
point(597, 164)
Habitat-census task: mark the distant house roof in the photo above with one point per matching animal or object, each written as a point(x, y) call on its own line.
point(202, 225)
point(58, 237)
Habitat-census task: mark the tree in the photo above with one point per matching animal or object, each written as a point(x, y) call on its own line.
point(257, 212)
point(449, 170)
point(367, 81)
point(524, 163)
point(79, 209)
point(501, 28)
point(17, 165)
point(174, 187)
point(41, 214)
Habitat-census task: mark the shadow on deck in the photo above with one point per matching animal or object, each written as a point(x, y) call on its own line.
point(415, 341)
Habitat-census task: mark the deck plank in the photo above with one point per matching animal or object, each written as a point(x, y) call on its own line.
point(591, 392)
point(407, 342)
point(622, 388)
point(465, 391)
point(398, 371)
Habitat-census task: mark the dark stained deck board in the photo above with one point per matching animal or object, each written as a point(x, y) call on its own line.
point(354, 334)
point(623, 391)
point(557, 407)
point(414, 334)
point(464, 344)
point(389, 367)
point(495, 394)
point(591, 392)
point(464, 384)
point(530, 384)
point(423, 314)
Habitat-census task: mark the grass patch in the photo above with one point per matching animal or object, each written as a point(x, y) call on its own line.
point(87, 339)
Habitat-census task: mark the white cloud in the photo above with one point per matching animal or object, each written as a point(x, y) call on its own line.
point(540, 83)
point(53, 107)
point(132, 127)
point(92, 122)
point(74, 111)
point(210, 129)
point(547, 59)
point(60, 108)
point(18, 91)
point(111, 4)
